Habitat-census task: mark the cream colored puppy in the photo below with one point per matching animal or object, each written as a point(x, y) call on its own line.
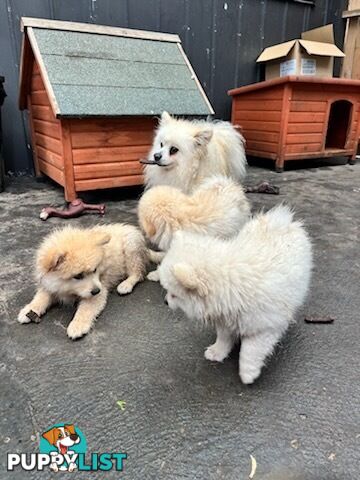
point(218, 208)
point(83, 264)
point(184, 153)
point(248, 287)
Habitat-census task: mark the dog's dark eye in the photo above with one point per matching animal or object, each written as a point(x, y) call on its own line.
point(161, 145)
point(60, 435)
point(79, 276)
point(94, 271)
point(173, 150)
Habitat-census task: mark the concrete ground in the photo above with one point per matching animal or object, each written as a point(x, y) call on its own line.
point(186, 418)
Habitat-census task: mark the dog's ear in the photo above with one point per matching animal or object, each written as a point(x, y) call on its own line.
point(50, 436)
point(102, 239)
point(189, 278)
point(59, 260)
point(70, 428)
point(203, 137)
point(165, 118)
point(52, 260)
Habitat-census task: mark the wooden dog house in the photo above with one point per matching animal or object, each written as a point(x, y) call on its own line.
point(293, 118)
point(93, 92)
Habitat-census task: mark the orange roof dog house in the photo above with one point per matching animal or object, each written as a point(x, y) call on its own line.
point(92, 93)
point(292, 118)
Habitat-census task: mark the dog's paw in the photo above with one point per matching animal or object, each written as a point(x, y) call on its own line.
point(248, 376)
point(54, 467)
point(125, 287)
point(27, 315)
point(153, 276)
point(78, 329)
point(214, 353)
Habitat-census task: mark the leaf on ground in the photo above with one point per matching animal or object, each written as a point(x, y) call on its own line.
point(121, 404)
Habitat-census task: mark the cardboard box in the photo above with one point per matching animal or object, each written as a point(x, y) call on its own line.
point(312, 55)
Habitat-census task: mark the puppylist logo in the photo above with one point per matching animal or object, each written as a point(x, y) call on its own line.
point(62, 449)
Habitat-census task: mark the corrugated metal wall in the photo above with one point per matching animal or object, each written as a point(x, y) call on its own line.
point(221, 37)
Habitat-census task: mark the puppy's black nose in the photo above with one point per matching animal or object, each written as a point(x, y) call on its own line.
point(157, 157)
point(166, 302)
point(95, 291)
point(74, 437)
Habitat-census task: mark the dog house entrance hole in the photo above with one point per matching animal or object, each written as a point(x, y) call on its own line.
point(339, 123)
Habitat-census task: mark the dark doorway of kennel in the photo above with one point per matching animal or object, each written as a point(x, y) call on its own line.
point(339, 124)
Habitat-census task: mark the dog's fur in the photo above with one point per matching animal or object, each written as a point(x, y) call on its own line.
point(203, 149)
point(100, 257)
point(248, 287)
point(218, 208)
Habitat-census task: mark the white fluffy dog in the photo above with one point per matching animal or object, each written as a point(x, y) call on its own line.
point(248, 287)
point(218, 208)
point(186, 152)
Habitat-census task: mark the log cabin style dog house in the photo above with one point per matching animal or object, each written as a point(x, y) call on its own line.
point(298, 117)
point(93, 92)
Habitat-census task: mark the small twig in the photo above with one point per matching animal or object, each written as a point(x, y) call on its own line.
point(147, 162)
point(319, 319)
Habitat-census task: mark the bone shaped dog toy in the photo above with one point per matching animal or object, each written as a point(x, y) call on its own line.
point(74, 209)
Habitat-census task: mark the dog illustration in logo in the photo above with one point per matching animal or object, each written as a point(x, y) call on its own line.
point(62, 438)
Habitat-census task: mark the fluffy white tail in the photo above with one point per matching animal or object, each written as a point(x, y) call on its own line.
point(235, 144)
point(280, 216)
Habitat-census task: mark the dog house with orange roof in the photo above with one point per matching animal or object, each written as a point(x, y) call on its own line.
point(93, 92)
point(298, 117)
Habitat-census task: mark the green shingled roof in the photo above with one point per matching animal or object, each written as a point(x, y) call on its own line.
point(98, 74)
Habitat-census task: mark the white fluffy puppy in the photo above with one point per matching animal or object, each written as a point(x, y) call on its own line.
point(248, 287)
point(186, 152)
point(218, 208)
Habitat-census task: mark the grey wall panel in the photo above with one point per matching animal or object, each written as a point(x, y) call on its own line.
point(222, 39)
point(173, 17)
point(224, 59)
point(319, 14)
point(333, 15)
point(251, 40)
point(274, 31)
point(144, 14)
point(294, 21)
point(199, 40)
point(16, 138)
point(72, 10)
point(110, 12)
